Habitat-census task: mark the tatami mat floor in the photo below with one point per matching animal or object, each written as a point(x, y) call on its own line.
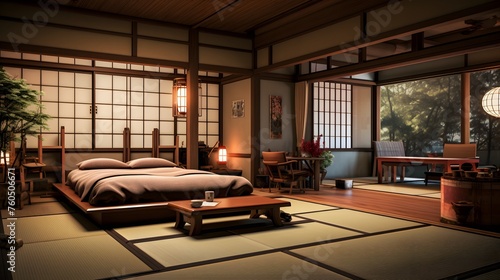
point(321, 242)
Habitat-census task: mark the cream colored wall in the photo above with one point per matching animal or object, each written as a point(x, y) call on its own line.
point(361, 117)
point(236, 131)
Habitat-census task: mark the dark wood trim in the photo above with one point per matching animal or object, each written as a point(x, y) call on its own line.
point(440, 73)
point(192, 94)
point(465, 109)
point(379, 38)
point(94, 55)
point(255, 84)
point(429, 54)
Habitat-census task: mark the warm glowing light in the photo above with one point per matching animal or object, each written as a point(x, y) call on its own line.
point(222, 155)
point(182, 100)
point(2, 159)
point(491, 102)
point(179, 98)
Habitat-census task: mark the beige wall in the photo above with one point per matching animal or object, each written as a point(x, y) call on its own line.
point(236, 131)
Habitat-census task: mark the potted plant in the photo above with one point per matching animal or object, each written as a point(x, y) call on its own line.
point(328, 160)
point(20, 113)
point(313, 149)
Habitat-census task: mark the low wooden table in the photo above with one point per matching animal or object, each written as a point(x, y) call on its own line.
point(258, 205)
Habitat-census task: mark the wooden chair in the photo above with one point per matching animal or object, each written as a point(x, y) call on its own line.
point(281, 171)
point(389, 148)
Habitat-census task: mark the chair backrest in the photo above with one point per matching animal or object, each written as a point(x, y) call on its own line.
point(459, 150)
point(276, 157)
point(389, 148)
point(269, 158)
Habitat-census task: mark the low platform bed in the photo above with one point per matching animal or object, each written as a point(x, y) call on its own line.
point(112, 192)
point(118, 215)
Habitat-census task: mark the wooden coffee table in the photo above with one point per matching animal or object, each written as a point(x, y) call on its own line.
point(258, 205)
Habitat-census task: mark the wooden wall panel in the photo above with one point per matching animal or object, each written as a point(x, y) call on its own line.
point(165, 32)
point(397, 14)
point(225, 41)
point(328, 37)
point(66, 38)
point(162, 50)
point(487, 56)
point(224, 57)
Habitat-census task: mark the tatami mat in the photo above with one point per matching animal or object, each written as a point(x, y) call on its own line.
point(422, 253)
point(183, 250)
point(53, 227)
point(360, 221)
point(90, 257)
point(299, 206)
point(39, 209)
point(296, 234)
point(148, 231)
point(267, 266)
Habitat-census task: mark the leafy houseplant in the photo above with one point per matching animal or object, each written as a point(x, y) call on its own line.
point(328, 159)
point(20, 112)
point(313, 149)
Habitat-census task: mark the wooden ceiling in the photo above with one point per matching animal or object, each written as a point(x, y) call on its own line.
point(266, 20)
point(225, 15)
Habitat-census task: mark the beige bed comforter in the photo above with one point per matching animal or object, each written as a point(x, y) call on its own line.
point(125, 186)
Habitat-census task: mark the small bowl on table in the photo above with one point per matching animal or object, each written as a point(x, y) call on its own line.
point(196, 203)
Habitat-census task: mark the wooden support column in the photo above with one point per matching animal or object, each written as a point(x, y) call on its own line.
point(192, 101)
point(465, 116)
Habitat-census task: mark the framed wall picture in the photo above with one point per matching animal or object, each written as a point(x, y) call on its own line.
point(275, 117)
point(238, 108)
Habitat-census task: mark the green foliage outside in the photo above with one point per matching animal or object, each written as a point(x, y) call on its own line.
point(425, 114)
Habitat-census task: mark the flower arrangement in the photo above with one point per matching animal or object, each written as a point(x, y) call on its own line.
point(312, 147)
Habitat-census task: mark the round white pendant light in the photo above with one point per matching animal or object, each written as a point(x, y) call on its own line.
point(491, 102)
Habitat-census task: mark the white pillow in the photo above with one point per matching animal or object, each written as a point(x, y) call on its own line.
point(101, 163)
point(150, 163)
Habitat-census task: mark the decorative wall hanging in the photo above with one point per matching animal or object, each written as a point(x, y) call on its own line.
point(238, 109)
point(275, 117)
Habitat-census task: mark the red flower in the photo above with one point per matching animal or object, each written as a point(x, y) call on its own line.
point(312, 147)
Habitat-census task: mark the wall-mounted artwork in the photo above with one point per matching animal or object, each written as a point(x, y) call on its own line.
point(238, 109)
point(276, 115)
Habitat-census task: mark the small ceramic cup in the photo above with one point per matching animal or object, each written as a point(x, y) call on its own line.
point(209, 196)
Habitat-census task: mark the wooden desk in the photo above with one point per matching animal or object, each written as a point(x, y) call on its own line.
point(446, 162)
point(314, 163)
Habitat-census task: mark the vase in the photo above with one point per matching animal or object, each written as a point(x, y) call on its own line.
point(323, 175)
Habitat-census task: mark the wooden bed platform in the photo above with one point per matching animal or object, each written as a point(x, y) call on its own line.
point(127, 214)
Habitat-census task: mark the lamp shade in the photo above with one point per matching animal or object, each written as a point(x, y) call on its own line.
point(179, 98)
point(491, 102)
point(222, 155)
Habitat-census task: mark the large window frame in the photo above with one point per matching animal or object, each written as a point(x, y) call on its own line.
point(137, 96)
point(332, 114)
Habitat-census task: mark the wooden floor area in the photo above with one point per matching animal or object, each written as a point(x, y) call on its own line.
point(415, 208)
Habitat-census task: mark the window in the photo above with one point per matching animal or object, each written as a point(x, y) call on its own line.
point(332, 115)
point(95, 106)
